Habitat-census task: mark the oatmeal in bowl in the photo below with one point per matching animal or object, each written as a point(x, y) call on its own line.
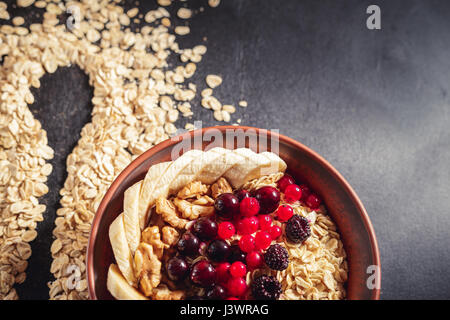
point(225, 224)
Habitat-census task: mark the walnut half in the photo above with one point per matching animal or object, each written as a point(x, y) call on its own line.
point(220, 186)
point(192, 211)
point(147, 268)
point(152, 236)
point(192, 190)
point(169, 214)
point(169, 235)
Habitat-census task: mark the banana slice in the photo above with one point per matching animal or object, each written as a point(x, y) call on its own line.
point(228, 160)
point(276, 164)
point(121, 249)
point(211, 164)
point(119, 287)
point(149, 184)
point(188, 174)
point(177, 166)
point(131, 216)
point(207, 168)
point(248, 169)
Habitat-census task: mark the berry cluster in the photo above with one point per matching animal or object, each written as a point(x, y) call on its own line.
point(297, 227)
point(293, 192)
point(224, 266)
point(221, 272)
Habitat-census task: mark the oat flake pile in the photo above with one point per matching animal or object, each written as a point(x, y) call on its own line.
point(137, 99)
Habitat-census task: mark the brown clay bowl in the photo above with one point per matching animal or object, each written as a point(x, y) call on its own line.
point(304, 164)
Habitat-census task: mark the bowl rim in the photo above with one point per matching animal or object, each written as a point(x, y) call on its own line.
point(174, 140)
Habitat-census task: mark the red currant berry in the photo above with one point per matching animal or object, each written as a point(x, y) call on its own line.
point(222, 272)
point(247, 225)
point(254, 224)
point(275, 232)
point(285, 212)
point(313, 201)
point(305, 192)
point(226, 230)
point(249, 207)
point(247, 243)
point(285, 181)
point(238, 269)
point(265, 221)
point(262, 240)
point(236, 287)
point(292, 193)
point(253, 259)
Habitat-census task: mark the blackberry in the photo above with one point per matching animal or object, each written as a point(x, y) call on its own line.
point(298, 229)
point(276, 257)
point(266, 288)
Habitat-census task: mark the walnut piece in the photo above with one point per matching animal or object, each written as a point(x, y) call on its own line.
point(193, 189)
point(169, 235)
point(203, 201)
point(162, 292)
point(147, 268)
point(220, 186)
point(192, 211)
point(169, 214)
point(152, 236)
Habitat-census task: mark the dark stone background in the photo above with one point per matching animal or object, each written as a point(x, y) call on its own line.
point(373, 103)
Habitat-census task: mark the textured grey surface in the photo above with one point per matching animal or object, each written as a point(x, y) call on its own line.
point(373, 103)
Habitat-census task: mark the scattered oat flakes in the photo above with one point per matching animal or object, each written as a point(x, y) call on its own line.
point(93, 35)
point(18, 21)
point(189, 70)
point(218, 115)
point(3, 13)
point(164, 3)
point(210, 102)
point(132, 12)
point(213, 80)
point(165, 22)
point(207, 92)
point(25, 3)
point(213, 3)
point(182, 30)
point(189, 126)
point(229, 108)
point(29, 235)
point(40, 4)
point(184, 13)
point(226, 116)
point(200, 49)
point(243, 104)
